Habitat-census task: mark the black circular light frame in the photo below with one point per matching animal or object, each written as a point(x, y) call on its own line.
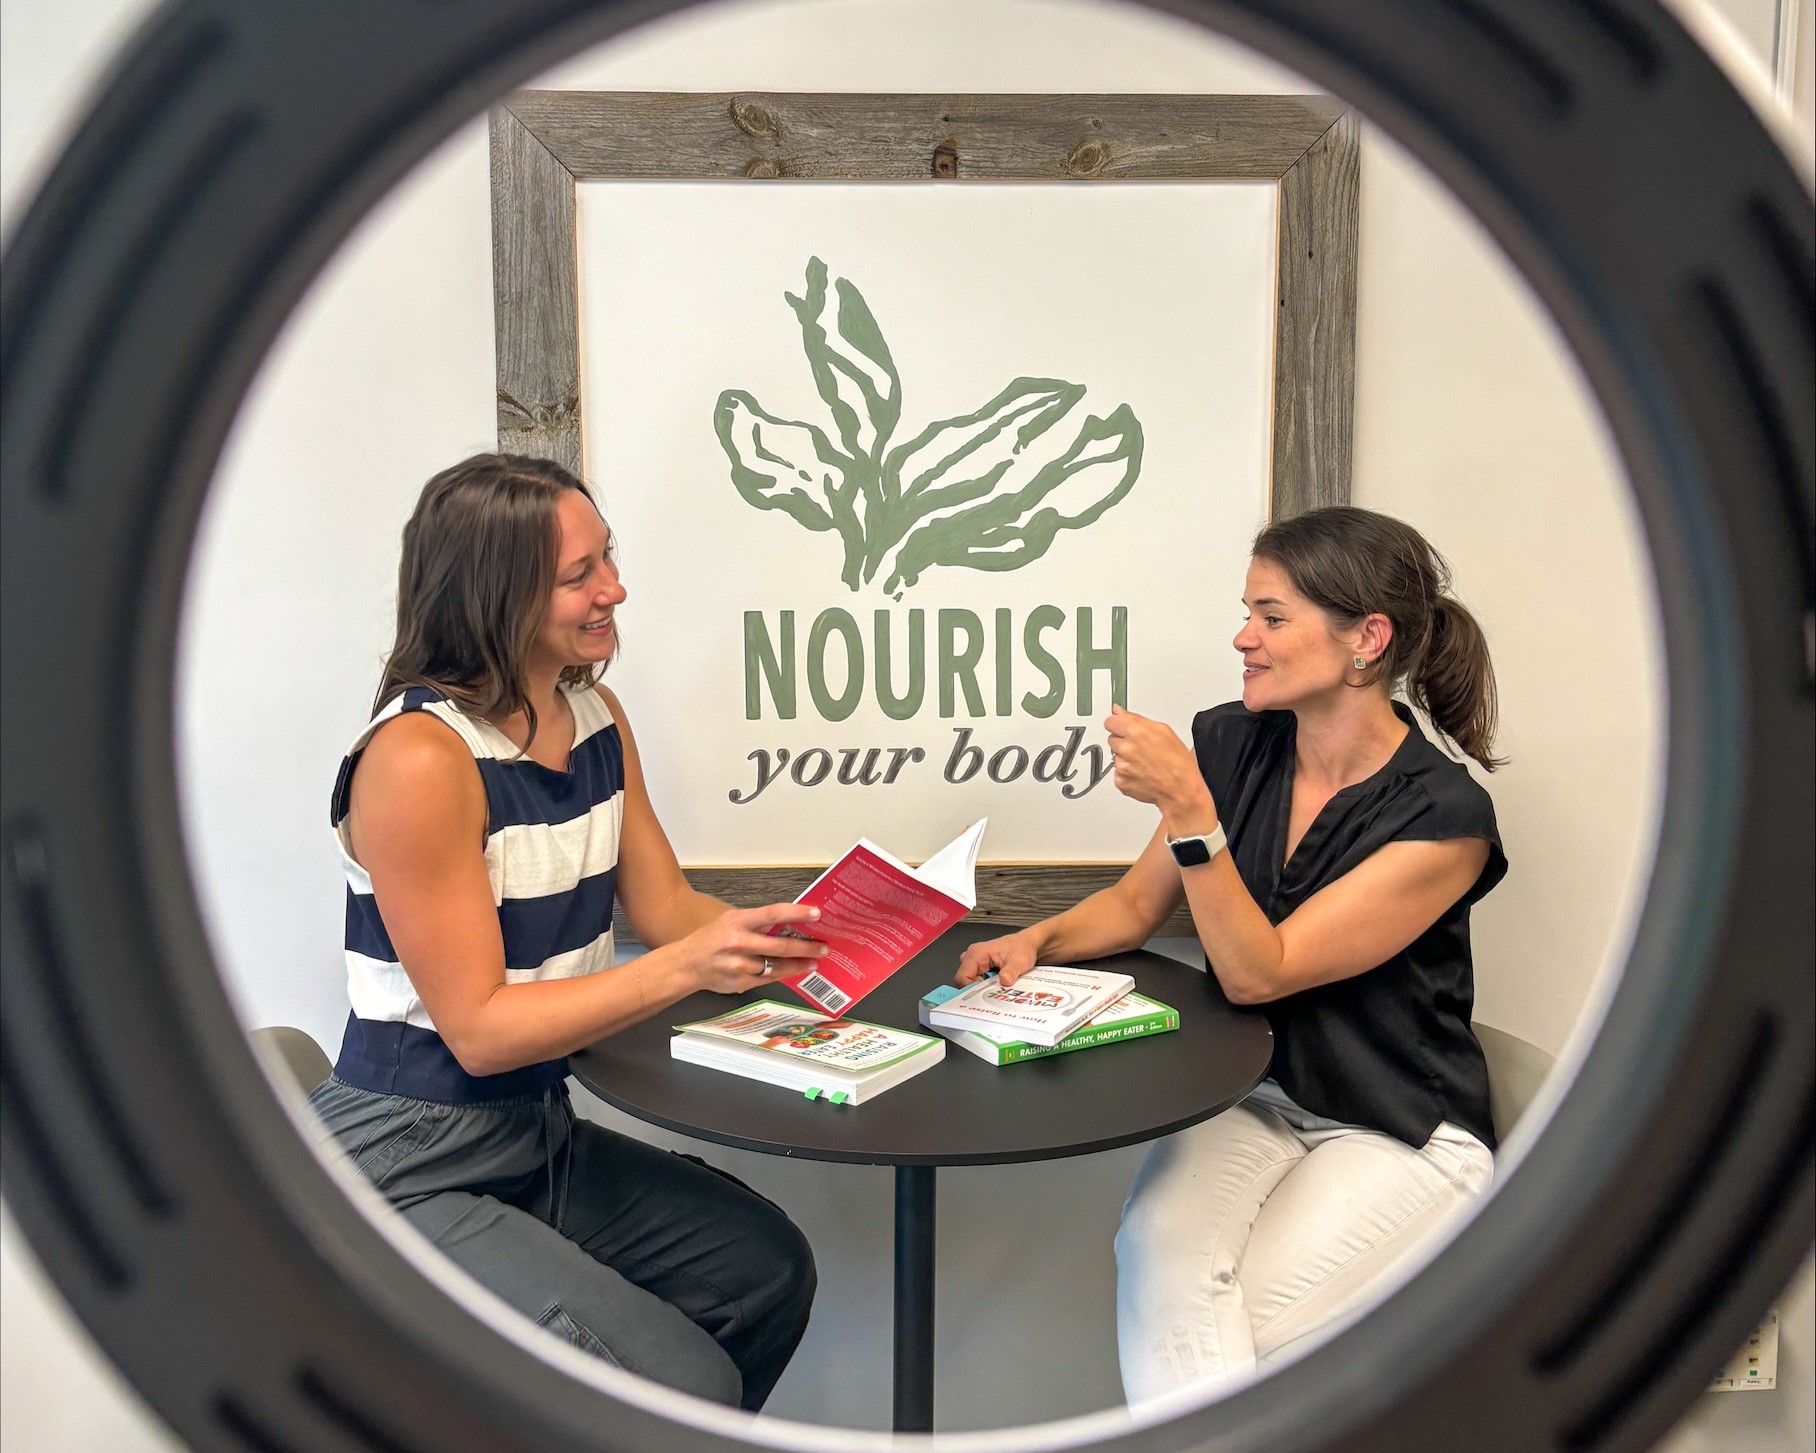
point(1667, 1200)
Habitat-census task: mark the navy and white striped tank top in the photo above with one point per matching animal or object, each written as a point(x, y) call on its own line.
point(552, 857)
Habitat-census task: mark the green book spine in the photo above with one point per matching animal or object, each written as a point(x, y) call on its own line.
point(1156, 1023)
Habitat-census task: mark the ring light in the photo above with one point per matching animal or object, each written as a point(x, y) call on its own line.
point(227, 1272)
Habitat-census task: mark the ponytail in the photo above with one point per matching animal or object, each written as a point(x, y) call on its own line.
point(1352, 563)
point(1452, 681)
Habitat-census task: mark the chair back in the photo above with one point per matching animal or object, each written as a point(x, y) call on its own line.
point(1516, 1069)
point(296, 1053)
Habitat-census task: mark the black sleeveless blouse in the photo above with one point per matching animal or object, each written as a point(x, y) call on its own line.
point(1392, 1048)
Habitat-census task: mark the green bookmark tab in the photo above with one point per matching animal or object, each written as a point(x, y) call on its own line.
point(814, 1093)
point(837, 1097)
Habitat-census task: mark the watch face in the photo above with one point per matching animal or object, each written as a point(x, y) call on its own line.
point(1190, 852)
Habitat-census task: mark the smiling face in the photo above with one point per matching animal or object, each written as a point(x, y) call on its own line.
point(579, 629)
point(1292, 651)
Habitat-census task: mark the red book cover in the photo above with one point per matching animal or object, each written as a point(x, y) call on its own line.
point(876, 913)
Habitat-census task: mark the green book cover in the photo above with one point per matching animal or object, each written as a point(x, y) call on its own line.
point(1130, 1017)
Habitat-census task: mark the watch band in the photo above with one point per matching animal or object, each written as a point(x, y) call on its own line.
point(1193, 852)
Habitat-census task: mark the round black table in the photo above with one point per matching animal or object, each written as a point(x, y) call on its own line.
point(963, 1111)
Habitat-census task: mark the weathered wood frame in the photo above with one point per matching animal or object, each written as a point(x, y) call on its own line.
point(543, 142)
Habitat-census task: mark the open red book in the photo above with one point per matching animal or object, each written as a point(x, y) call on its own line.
point(876, 913)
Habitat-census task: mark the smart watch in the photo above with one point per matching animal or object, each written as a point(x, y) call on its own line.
point(1190, 852)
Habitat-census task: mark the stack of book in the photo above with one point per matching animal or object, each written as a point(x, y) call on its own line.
point(1047, 1011)
point(844, 1060)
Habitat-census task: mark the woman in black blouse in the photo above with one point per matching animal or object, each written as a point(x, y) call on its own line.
point(1329, 853)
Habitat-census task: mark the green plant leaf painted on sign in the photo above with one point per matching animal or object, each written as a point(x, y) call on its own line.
point(1008, 529)
point(853, 370)
point(953, 456)
point(781, 464)
point(986, 490)
point(955, 462)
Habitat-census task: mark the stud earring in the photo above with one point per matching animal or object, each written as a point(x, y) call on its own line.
point(1361, 663)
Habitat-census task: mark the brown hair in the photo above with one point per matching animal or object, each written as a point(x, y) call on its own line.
point(473, 585)
point(1352, 563)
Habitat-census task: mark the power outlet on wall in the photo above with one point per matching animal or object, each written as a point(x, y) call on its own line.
point(1754, 1368)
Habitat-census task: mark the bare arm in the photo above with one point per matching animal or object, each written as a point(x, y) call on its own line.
point(1356, 923)
point(1118, 918)
point(417, 824)
point(1353, 925)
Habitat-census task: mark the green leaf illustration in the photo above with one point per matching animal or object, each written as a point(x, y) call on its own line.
point(1008, 529)
point(783, 464)
point(948, 459)
point(853, 371)
point(983, 490)
point(955, 461)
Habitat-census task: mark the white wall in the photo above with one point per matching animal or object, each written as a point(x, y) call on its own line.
point(1470, 422)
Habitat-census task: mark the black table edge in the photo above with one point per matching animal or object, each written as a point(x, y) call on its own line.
point(837, 1157)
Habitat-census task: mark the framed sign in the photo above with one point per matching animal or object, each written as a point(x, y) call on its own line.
point(913, 481)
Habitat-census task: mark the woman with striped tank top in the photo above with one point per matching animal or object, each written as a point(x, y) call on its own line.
point(489, 817)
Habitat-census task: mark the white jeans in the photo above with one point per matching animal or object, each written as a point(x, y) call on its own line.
point(1264, 1225)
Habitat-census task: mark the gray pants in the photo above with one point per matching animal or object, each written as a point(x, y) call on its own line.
point(655, 1262)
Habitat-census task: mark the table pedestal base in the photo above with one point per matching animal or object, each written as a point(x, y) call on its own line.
point(914, 1212)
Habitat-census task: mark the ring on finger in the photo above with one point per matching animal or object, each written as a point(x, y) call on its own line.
point(768, 968)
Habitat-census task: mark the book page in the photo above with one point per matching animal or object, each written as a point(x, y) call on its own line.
point(953, 869)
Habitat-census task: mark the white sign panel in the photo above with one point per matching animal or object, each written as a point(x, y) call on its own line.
point(910, 482)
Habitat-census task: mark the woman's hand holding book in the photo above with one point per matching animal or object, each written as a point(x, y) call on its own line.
point(1010, 957)
point(735, 952)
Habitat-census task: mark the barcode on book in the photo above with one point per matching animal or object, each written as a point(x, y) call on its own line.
point(822, 991)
